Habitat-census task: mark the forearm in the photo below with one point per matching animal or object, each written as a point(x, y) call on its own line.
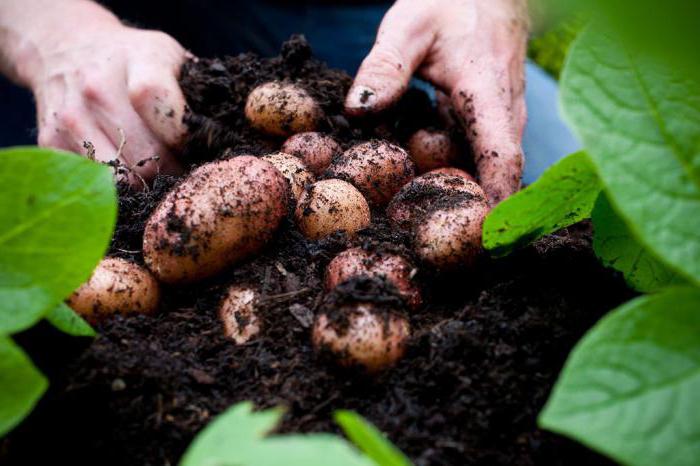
point(25, 25)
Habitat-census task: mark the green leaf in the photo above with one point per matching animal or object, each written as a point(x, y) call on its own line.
point(631, 387)
point(57, 212)
point(21, 385)
point(640, 123)
point(549, 50)
point(370, 440)
point(616, 247)
point(564, 194)
point(237, 437)
point(66, 320)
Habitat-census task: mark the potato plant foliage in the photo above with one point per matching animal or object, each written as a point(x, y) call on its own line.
point(240, 436)
point(57, 213)
point(631, 386)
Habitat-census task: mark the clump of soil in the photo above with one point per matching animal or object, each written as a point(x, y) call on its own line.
point(487, 344)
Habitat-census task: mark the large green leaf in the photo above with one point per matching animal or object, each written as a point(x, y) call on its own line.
point(21, 385)
point(370, 440)
point(57, 212)
point(66, 320)
point(640, 123)
point(616, 247)
point(663, 29)
point(631, 387)
point(564, 194)
point(237, 437)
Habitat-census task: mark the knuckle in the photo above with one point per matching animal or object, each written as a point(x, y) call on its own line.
point(386, 60)
point(93, 88)
point(68, 119)
point(48, 137)
point(143, 91)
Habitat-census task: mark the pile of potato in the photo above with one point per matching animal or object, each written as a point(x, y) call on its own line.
point(226, 211)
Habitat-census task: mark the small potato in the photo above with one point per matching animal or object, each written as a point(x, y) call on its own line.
point(293, 170)
point(116, 286)
point(429, 192)
point(315, 149)
point(451, 238)
point(365, 337)
point(357, 262)
point(282, 109)
point(237, 313)
point(432, 149)
point(453, 172)
point(328, 206)
point(222, 213)
point(378, 169)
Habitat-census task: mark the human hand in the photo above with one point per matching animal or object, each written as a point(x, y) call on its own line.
point(107, 84)
point(474, 51)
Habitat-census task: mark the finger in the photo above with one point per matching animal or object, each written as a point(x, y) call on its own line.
point(445, 109)
point(487, 111)
point(157, 98)
point(402, 43)
point(75, 130)
point(141, 150)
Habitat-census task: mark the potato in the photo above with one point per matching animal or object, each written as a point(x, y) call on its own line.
point(446, 214)
point(293, 170)
point(237, 313)
point(427, 192)
point(116, 286)
point(451, 238)
point(316, 150)
point(224, 212)
point(282, 109)
point(453, 172)
point(393, 268)
point(378, 169)
point(432, 149)
point(328, 206)
point(362, 337)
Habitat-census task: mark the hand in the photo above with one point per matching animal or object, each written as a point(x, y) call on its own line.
point(474, 51)
point(106, 84)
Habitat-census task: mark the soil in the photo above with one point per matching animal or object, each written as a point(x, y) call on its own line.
point(486, 347)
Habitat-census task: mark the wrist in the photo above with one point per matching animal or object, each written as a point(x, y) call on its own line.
point(56, 26)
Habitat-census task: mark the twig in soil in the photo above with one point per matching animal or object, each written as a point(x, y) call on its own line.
point(285, 296)
point(126, 251)
point(119, 166)
point(89, 150)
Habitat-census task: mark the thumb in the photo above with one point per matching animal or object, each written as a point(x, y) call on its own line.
point(402, 43)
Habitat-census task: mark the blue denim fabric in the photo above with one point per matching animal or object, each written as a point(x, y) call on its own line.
point(341, 35)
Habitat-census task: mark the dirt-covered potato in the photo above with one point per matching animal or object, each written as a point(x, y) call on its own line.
point(282, 109)
point(450, 238)
point(446, 214)
point(364, 336)
point(237, 312)
point(431, 149)
point(377, 168)
point(116, 286)
point(222, 213)
point(428, 192)
point(315, 149)
point(293, 170)
point(357, 262)
point(328, 206)
point(453, 172)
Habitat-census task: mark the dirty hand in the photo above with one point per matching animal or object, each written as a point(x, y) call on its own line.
point(101, 81)
point(474, 51)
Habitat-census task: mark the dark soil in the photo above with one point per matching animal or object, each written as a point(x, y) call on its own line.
point(487, 344)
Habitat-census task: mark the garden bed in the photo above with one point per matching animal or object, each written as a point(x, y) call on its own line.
point(486, 346)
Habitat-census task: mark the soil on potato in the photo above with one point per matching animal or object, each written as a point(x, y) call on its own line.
point(486, 347)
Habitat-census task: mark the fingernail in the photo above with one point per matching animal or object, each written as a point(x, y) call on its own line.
point(361, 98)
